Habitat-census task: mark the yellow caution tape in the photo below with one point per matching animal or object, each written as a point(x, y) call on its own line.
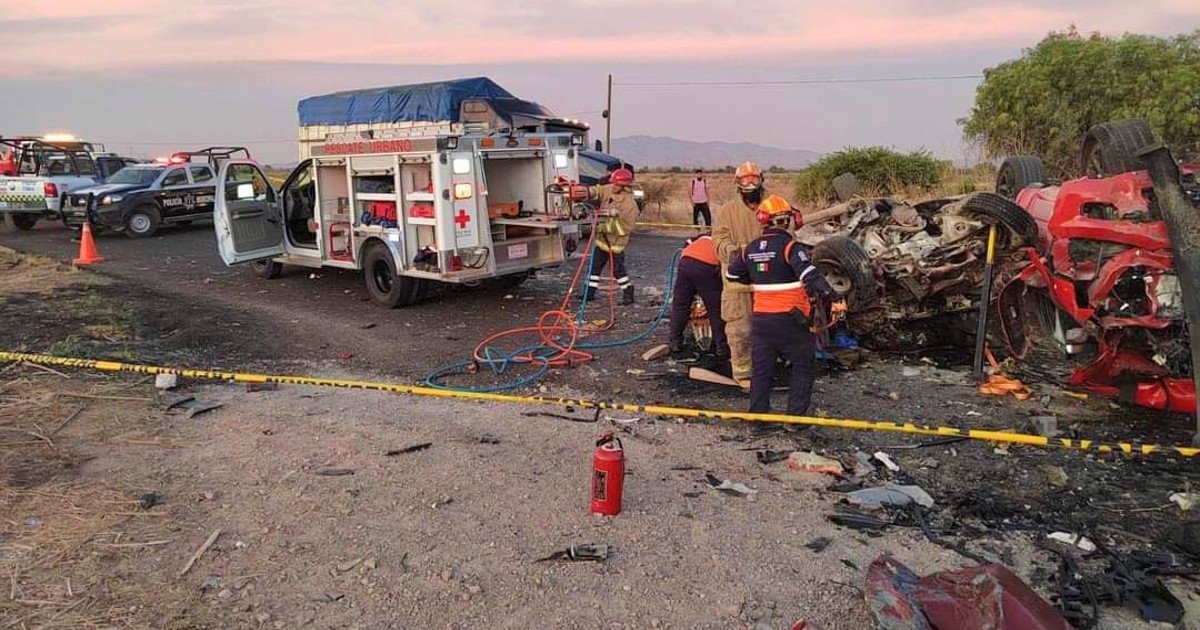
point(680, 226)
point(1128, 448)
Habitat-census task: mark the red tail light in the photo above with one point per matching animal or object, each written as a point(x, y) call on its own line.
point(51, 189)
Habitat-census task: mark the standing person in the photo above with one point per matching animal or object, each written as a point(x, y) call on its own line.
point(617, 215)
point(700, 200)
point(699, 273)
point(784, 281)
point(734, 227)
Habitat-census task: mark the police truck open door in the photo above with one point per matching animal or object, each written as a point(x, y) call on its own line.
point(248, 217)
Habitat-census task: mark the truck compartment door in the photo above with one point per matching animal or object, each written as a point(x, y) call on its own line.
point(248, 219)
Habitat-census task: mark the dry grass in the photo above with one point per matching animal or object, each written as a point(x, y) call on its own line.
point(64, 539)
point(26, 273)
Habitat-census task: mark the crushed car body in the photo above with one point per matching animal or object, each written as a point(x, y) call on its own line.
point(905, 269)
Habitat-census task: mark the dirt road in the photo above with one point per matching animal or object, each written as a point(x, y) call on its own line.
point(451, 533)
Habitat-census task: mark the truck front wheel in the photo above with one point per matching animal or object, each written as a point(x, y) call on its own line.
point(385, 286)
point(23, 221)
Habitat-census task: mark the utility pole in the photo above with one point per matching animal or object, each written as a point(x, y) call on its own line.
point(608, 119)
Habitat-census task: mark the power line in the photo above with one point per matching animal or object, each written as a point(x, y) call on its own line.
point(914, 79)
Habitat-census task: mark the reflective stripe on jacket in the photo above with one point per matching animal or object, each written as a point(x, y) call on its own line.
point(778, 270)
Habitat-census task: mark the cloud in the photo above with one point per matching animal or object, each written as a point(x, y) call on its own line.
point(129, 36)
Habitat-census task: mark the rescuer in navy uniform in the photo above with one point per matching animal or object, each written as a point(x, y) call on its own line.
point(785, 284)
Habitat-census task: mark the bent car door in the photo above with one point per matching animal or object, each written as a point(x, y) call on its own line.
point(247, 217)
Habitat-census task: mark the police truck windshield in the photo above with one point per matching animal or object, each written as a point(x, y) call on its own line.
point(136, 175)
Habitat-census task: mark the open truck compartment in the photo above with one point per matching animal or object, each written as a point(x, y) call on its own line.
point(457, 182)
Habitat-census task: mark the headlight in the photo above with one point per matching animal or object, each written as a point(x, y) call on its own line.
point(108, 200)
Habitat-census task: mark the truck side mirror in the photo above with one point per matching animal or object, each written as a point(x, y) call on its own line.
point(600, 146)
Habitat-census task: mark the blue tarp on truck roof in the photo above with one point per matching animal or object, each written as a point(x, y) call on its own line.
point(427, 102)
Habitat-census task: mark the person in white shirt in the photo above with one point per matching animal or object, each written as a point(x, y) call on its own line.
point(700, 200)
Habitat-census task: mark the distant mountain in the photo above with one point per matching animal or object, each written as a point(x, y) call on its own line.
point(653, 151)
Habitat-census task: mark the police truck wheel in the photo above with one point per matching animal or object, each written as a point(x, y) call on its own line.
point(24, 221)
point(267, 269)
point(386, 287)
point(142, 222)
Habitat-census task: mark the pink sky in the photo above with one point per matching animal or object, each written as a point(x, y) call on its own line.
point(155, 75)
point(131, 34)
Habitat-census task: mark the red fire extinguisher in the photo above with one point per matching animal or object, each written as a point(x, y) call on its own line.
point(608, 475)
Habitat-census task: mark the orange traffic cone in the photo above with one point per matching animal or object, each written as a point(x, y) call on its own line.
point(87, 247)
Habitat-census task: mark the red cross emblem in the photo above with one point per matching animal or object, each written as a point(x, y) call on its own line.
point(462, 219)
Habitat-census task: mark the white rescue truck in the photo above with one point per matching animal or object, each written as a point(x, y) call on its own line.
point(446, 182)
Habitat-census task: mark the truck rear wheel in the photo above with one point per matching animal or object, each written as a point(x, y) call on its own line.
point(267, 269)
point(24, 221)
point(386, 287)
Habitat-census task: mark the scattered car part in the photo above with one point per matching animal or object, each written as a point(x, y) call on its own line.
point(579, 553)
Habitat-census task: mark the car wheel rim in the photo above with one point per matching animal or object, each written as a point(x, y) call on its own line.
point(840, 283)
point(381, 274)
point(139, 223)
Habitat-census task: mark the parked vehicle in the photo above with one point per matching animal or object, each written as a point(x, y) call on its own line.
point(1105, 279)
point(453, 182)
point(143, 197)
point(37, 173)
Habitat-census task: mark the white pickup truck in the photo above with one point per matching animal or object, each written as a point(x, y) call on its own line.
point(37, 173)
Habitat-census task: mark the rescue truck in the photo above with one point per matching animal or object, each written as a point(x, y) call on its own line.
point(456, 182)
point(37, 172)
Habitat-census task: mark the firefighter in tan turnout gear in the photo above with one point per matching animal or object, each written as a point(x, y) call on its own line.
point(734, 226)
point(617, 216)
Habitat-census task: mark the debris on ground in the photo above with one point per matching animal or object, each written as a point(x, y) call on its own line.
point(166, 381)
point(858, 520)
point(819, 544)
point(488, 438)
point(1045, 426)
point(579, 553)
point(811, 462)
point(1078, 541)
point(987, 597)
point(862, 465)
point(150, 499)
point(771, 457)
point(212, 538)
point(1001, 385)
point(729, 487)
point(1055, 475)
point(1185, 500)
point(886, 460)
point(334, 472)
point(408, 449)
point(890, 495)
point(261, 387)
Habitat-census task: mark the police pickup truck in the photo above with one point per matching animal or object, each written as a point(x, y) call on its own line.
point(141, 198)
point(36, 174)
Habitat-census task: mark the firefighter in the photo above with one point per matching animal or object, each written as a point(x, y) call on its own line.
point(785, 284)
point(616, 217)
point(733, 227)
point(699, 273)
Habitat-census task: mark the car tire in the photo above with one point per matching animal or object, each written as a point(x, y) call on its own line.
point(142, 222)
point(1112, 148)
point(847, 268)
point(994, 209)
point(845, 186)
point(384, 285)
point(24, 221)
point(267, 269)
point(1017, 173)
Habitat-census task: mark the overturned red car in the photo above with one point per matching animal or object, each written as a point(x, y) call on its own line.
point(1111, 278)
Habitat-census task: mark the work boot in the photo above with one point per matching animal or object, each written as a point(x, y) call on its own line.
point(627, 296)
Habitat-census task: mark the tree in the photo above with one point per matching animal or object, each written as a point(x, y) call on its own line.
point(1043, 103)
point(877, 169)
